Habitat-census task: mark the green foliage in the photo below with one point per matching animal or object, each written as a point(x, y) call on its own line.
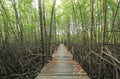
point(20, 25)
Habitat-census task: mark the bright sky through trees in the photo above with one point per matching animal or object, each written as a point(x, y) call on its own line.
point(35, 3)
point(58, 2)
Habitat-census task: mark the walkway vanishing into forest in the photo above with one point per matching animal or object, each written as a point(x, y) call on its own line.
point(62, 66)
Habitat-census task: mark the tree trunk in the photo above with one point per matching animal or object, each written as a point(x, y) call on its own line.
point(91, 34)
point(50, 32)
point(41, 30)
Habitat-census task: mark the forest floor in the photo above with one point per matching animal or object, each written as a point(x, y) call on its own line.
point(62, 66)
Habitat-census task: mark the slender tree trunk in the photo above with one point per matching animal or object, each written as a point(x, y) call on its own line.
point(91, 35)
point(113, 23)
point(54, 27)
point(18, 23)
point(103, 37)
point(41, 28)
point(68, 34)
point(45, 29)
point(51, 24)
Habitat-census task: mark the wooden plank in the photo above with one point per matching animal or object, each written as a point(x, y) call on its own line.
point(62, 66)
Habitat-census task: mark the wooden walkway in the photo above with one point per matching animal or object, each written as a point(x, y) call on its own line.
point(62, 66)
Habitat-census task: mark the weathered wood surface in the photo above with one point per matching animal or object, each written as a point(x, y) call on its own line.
point(62, 66)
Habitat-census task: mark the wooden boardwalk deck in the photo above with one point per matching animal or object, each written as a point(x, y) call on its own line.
point(62, 66)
